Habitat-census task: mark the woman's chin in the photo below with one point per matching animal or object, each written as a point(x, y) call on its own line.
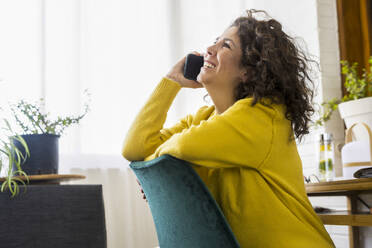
point(202, 78)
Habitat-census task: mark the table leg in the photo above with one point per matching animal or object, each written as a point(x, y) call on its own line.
point(353, 230)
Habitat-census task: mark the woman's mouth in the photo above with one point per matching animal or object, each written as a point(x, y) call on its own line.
point(207, 64)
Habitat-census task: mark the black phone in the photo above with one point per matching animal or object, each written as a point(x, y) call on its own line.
point(192, 67)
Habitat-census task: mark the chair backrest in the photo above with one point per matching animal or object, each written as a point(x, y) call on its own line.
point(185, 213)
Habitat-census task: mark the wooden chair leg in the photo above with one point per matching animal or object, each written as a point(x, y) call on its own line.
point(353, 230)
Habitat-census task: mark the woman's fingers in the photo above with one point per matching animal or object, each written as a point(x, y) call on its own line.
point(143, 193)
point(176, 74)
point(196, 53)
point(144, 196)
point(195, 84)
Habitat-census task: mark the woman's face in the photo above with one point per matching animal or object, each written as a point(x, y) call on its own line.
point(222, 61)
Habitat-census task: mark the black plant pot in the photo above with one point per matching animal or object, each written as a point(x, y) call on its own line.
point(43, 157)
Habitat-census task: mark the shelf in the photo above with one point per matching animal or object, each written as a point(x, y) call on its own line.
point(47, 178)
point(351, 189)
point(337, 187)
point(346, 218)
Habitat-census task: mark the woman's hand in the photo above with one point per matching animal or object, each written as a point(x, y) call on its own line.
point(176, 74)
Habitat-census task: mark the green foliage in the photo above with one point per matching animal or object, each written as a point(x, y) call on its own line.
point(9, 155)
point(356, 88)
point(328, 108)
point(32, 120)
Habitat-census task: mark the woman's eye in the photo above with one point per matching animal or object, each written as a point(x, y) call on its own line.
point(224, 44)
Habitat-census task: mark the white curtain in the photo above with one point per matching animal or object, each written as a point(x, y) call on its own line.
point(119, 50)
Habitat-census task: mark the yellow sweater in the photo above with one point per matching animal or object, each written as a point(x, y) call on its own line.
point(245, 159)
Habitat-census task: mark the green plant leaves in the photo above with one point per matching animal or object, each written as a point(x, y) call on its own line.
point(12, 155)
point(328, 108)
point(31, 120)
point(356, 88)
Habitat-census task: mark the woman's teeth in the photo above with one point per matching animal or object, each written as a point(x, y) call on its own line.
point(208, 65)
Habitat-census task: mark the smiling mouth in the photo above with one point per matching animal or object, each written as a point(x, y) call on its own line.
point(208, 65)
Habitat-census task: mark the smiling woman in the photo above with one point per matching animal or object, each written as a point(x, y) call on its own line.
point(226, 71)
point(243, 147)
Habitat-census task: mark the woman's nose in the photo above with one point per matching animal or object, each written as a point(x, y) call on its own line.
point(211, 50)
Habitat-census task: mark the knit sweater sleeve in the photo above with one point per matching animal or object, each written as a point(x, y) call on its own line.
point(240, 137)
point(146, 132)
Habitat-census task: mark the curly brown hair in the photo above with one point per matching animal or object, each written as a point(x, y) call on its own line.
point(278, 69)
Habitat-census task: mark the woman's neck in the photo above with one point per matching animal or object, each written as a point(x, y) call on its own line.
point(221, 98)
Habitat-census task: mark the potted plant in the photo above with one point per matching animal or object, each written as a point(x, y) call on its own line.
point(10, 155)
point(41, 134)
point(356, 106)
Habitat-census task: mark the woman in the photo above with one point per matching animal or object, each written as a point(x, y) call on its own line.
point(243, 147)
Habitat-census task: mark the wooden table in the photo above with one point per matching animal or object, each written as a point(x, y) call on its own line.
point(352, 218)
point(47, 178)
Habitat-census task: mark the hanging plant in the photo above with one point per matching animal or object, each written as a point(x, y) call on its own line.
point(356, 88)
point(10, 155)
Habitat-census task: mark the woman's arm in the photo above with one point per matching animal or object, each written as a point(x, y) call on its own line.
point(144, 135)
point(240, 137)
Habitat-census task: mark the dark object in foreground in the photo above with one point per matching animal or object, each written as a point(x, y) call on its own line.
point(57, 216)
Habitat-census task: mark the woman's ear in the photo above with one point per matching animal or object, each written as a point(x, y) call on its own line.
point(244, 75)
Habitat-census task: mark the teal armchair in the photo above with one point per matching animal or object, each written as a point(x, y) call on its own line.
point(184, 212)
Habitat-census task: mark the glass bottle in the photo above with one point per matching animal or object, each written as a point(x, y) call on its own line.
point(329, 157)
point(321, 163)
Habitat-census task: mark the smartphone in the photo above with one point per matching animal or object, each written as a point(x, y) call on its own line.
point(192, 67)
